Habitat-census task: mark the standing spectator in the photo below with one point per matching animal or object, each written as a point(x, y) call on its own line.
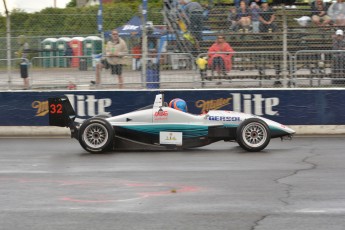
point(267, 17)
point(193, 12)
point(319, 13)
point(202, 65)
point(23, 54)
point(220, 55)
point(337, 12)
point(115, 51)
point(339, 57)
point(255, 9)
point(243, 16)
point(68, 54)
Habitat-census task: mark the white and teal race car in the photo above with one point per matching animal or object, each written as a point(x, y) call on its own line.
point(160, 127)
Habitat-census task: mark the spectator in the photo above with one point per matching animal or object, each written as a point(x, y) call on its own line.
point(115, 51)
point(243, 16)
point(202, 65)
point(319, 13)
point(193, 12)
point(255, 9)
point(337, 13)
point(232, 19)
point(339, 57)
point(220, 54)
point(68, 54)
point(266, 18)
point(23, 54)
point(170, 4)
point(206, 12)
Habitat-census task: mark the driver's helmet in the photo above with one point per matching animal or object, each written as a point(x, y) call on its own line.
point(178, 104)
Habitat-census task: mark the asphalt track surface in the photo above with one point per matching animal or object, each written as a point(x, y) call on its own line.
point(54, 184)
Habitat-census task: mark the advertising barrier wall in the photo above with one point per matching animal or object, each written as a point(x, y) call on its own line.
point(287, 106)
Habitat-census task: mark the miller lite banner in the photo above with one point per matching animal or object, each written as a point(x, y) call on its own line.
point(289, 106)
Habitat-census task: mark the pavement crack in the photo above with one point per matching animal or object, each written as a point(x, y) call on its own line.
point(257, 222)
point(289, 187)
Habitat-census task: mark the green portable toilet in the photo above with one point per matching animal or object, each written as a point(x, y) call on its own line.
point(92, 45)
point(49, 52)
point(63, 50)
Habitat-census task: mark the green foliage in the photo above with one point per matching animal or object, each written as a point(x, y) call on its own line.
point(77, 21)
point(72, 3)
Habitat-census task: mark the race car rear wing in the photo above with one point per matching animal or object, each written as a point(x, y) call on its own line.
point(61, 112)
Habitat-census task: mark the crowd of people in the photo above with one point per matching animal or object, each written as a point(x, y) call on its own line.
point(255, 16)
point(245, 16)
point(328, 13)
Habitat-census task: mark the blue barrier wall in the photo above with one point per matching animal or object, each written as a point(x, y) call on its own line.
point(290, 107)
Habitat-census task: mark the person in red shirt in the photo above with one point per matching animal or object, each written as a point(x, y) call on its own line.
point(220, 55)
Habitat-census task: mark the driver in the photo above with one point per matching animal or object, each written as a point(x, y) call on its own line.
point(178, 104)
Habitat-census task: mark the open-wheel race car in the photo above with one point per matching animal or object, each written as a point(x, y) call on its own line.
point(160, 127)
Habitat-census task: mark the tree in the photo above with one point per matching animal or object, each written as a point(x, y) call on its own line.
point(72, 3)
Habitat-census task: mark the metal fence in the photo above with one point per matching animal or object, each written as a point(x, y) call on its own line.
point(295, 55)
point(318, 68)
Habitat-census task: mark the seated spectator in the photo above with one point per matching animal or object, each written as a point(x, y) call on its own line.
point(232, 19)
point(254, 11)
point(266, 18)
point(319, 13)
point(220, 54)
point(337, 13)
point(243, 16)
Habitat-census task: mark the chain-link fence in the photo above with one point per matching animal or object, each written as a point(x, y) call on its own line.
point(296, 53)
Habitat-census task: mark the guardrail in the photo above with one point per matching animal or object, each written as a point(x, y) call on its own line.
point(326, 67)
point(305, 68)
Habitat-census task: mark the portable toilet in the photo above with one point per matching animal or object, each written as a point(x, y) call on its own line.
point(49, 52)
point(76, 44)
point(92, 46)
point(63, 50)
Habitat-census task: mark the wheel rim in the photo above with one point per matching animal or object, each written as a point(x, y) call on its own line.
point(95, 135)
point(254, 134)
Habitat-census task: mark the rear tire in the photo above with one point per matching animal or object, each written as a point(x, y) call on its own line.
point(96, 135)
point(253, 135)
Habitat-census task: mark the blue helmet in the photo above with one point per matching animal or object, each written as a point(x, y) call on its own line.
point(178, 104)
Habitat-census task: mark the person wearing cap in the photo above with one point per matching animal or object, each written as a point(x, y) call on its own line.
point(339, 57)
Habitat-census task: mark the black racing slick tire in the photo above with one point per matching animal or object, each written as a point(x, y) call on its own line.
point(96, 135)
point(253, 135)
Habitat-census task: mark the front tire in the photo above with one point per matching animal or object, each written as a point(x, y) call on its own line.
point(96, 135)
point(253, 135)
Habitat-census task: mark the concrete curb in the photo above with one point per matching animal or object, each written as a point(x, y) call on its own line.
point(34, 131)
point(49, 131)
